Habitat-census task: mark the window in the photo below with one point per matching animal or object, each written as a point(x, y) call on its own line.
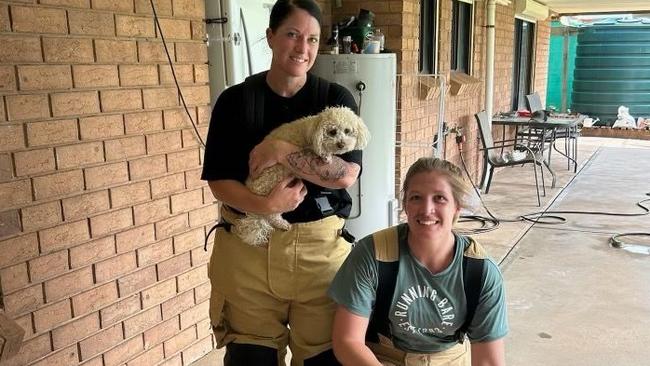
point(523, 63)
point(461, 36)
point(428, 58)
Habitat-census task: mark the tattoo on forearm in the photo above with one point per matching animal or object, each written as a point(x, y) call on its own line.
point(307, 162)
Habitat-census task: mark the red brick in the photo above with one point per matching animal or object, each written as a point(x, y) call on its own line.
point(184, 74)
point(51, 132)
point(48, 266)
point(15, 193)
point(192, 278)
point(198, 350)
point(204, 113)
point(177, 118)
point(186, 241)
point(49, 317)
point(6, 166)
point(155, 253)
point(5, 23)
point(68, 284)
point(111, 222)
point(18, 249)
point(97, 361)
point(130, 194)
point(92, 252)
point(20, 49)
point(141, 322)
point(124, 148)
point(175, 360)
point(201, 74)
point(58, 184)
point(115, 267)
point(44, 77)
point(11, 137)
point(123, 6)
point(24, 300)
point(142, 122)
point(114, 51)
point(101, 342)
point(195, 314)
point(78, 155)
point(30, 350)
point(151, 212)
point(14, 278)
point(160, 98)
point(204, 328)
point(183, 160)
point(161, 332)
point(121, 100)
point(38, 20)
point(189, 8)
point(106, 175)
point(187, 201)
point(120, 310)
point(68, 50)
point(101, 127)
point(91, 23)
point(191, 139)
point(196, 52)
point(200, 256)
point(174, 266)
point(10, 223)
point(136, 75)
point(28, 106)
point(94, 299)
point(153, 52)
point(126, 350)
point(74, 103)
point(179, 341)
point(202, 292)
point(26, 323)
point(85, 205)
point(94, 76)
point(196, 95)
point(75, 330)
point(158, 293)
point(65, 357)
point(64, 236)
point(175, 29)
point(171, 226)
point(164, 186)
point(136, 281)
point(147, 167)
point(130, 240)
point(205, 215)
point(150, 357)
point(34, 161)
point(41, 216)
point(67, 3)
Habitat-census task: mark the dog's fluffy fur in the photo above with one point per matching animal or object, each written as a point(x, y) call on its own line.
point(335, 130)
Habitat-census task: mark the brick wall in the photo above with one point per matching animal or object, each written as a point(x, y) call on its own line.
point(102, 213)
point(417, 119)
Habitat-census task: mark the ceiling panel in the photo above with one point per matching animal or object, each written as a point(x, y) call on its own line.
point(597, 6)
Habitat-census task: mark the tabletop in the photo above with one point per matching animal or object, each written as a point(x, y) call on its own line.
point(556, 121)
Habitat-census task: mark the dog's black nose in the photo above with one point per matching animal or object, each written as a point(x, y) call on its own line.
point(340, 145)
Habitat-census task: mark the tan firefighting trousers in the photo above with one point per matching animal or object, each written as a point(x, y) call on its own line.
point(458, 355)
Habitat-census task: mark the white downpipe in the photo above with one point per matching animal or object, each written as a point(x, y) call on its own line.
point(489, 69)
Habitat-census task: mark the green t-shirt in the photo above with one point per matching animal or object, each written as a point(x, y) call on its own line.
point(427, 309)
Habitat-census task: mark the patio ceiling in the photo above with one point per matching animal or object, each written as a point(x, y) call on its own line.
point(597, 6)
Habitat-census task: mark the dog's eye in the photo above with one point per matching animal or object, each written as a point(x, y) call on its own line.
point(331, 133)
point(347, 131)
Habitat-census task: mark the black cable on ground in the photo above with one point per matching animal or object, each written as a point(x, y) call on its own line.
point(543, 217)
point(171, 66)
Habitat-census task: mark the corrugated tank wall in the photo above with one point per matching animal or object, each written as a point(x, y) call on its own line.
point(612, 69)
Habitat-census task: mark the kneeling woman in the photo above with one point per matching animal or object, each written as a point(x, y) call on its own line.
point(411, 294)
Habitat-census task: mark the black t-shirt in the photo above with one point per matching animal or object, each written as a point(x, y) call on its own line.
point(231, 139)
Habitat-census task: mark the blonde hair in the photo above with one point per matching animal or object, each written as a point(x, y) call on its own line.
point(460, 187)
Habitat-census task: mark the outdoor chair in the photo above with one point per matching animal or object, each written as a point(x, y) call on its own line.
point(497, 160)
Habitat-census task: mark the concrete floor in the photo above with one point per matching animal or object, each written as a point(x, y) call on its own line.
point(572, 298)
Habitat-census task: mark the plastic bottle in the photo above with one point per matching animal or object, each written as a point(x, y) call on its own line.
point(333, 42)
point(379, 36)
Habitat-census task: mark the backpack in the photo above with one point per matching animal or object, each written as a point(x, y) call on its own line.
point(387, 258)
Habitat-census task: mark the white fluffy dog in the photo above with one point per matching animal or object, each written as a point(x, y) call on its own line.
point(335, 130)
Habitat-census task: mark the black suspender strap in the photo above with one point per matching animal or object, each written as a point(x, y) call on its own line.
point(254, 98)
point(473, 283)
point(386, 281)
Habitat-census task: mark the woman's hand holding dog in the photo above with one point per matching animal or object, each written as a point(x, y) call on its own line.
point(268, 153)
point(287, 195)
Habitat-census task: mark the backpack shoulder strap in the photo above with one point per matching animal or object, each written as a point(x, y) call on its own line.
point(386, 246)
point(254, 100)
point(473, 267)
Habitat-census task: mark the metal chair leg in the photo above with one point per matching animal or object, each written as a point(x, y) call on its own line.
point(539, 201)
point(487, 187)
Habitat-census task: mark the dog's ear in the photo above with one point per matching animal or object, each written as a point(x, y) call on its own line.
point(363, 134)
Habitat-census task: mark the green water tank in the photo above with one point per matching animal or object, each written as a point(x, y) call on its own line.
point(612, 68)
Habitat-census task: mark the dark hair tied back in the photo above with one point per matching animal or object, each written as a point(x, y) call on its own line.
point(283, 8)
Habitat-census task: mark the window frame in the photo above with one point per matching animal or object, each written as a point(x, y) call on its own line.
point(462, 28)
point(429, 40)
point(518, 96)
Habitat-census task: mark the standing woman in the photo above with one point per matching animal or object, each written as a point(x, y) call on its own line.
point(427, 311)
point(265, 298)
